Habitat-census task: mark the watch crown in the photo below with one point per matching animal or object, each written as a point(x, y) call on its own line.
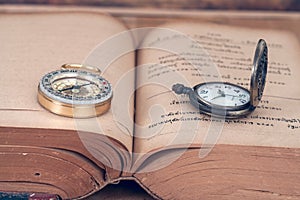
point(181, 89)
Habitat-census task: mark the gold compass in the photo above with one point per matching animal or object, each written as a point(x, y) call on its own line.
point(75, 91)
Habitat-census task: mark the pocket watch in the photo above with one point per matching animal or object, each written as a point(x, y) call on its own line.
point(223, 99)
point(75, 91)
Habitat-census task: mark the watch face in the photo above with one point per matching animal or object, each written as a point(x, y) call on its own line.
point(72, 86)
point(222, 95)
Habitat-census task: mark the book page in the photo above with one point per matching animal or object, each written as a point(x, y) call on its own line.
point(193, 53)
point(37, 43)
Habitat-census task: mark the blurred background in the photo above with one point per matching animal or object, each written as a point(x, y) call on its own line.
point(279, 5)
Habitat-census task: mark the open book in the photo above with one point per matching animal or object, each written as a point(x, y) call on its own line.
point(150, 134)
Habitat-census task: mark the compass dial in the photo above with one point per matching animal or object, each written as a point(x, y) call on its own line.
point(73, 86)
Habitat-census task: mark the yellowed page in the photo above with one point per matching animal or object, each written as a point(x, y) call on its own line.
point(168, 120)
point(33, 44)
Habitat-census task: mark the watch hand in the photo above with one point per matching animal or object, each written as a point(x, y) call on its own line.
point(230, 95)
point(222, 94)
point(217, 97)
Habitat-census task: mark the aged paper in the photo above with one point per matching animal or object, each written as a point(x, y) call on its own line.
point(35, 44)
point(215, 53)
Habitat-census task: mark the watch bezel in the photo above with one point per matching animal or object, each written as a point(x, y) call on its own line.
point(216, 107)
